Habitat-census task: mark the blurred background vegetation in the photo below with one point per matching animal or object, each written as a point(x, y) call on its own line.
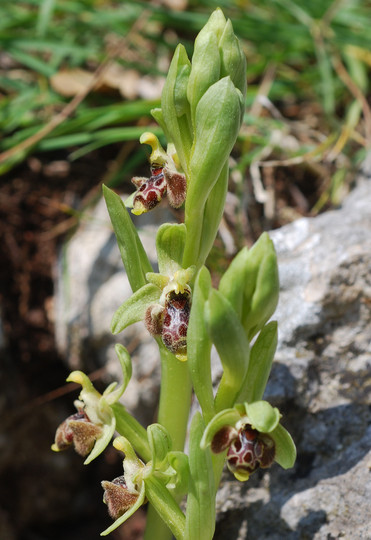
point(78, 79)
point(80, 75)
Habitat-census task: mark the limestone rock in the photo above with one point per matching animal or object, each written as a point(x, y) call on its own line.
point(321, 381)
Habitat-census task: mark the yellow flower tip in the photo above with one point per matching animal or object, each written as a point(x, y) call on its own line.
point(55, 448)
point(138, 209)
point(119, 444)
point(149, 138)
point(77, 377)
point(181, 357)
point(242, 476)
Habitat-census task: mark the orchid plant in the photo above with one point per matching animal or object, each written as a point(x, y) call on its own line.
point(201, 113)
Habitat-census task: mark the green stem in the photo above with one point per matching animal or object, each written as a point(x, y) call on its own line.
point(156, 528)
point(175, 402)
point(175, 397)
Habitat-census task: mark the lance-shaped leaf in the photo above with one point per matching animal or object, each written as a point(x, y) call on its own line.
point(131, 249)
point(230, 340)
point(261, 358)
point(199, 345)
point(200, 515)
point(134, 308)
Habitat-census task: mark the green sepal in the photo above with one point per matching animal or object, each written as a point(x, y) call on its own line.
point(119, 521)
point(199, 345)
point(170, 241)
point(200, 514)
point(217, 122)
point(230, 340)
point(262, 416)
point(178, 128)
point(233, 60)
point(228, 417)
point(180, 91)
point(165, 505)
point(160, 444)
point(134, 308)
point(132, 251)
point(103, 441)
point(261, 358)
point(285, 447)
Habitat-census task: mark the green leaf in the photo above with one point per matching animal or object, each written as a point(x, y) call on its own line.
point(261, 358)
point(200, 515)
point(135, 307)
point(132, 251)
point(199, 345)
point(128, 427)
point(170, 241)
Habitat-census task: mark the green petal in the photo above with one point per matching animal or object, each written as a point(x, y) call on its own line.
point(228, 417)
point(112, 396)
point(132, 251)
point(178, 461)
point(263, 416)
point(134, 308)
point(285, 447)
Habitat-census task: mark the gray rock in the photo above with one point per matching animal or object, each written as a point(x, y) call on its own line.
point(321, 380)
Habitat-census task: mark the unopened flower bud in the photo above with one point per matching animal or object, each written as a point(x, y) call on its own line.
point(78, 430)
point(117, 497)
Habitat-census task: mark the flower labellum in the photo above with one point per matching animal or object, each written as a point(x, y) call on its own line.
point(175, 322)
point(249, 451)
point(117, 497)
point(78, 430)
